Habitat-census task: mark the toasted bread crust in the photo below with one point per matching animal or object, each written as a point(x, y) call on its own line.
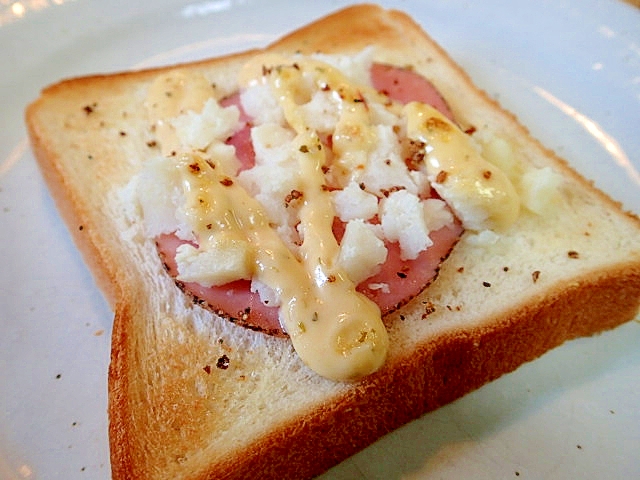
point(156, 360)
point(432, 376)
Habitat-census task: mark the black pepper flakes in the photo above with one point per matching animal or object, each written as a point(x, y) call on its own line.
point(441, 177)
point(293, 195)
point(388, 191)
point(223, 362)
point(486, 284)
point(414, 153)
point(227, 182)
point(535, 275)
point(207, 369)
point(304, 149)
point(429, 308)
point(573, 254)
point(211, 164)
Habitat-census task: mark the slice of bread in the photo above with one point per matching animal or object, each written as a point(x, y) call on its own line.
point(194, 396)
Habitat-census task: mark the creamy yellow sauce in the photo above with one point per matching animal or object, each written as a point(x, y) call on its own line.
point(459, 172)
point(336, 331)
point(173, 94)
point(294, 81)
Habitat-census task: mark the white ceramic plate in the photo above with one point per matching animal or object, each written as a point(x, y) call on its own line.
point(570, 69)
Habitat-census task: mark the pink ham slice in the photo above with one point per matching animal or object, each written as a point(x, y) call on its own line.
point(401, 280)
point(233, 301)
point(404, 86)
point(397, 282)
point(241, 140)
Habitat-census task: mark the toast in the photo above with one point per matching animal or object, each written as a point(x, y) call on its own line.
point(192, 395)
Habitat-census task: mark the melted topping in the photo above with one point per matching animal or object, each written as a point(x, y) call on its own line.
point(336, 330)
point(173, 94)
point(480, 193)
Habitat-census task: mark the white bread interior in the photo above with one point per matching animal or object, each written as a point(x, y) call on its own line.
point(174, 414)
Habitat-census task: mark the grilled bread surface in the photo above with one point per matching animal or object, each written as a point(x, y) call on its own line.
point(192, 396)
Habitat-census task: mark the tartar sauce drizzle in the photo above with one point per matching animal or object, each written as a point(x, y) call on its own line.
point(174, 94)
point(481, 194)
point(337, 331)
